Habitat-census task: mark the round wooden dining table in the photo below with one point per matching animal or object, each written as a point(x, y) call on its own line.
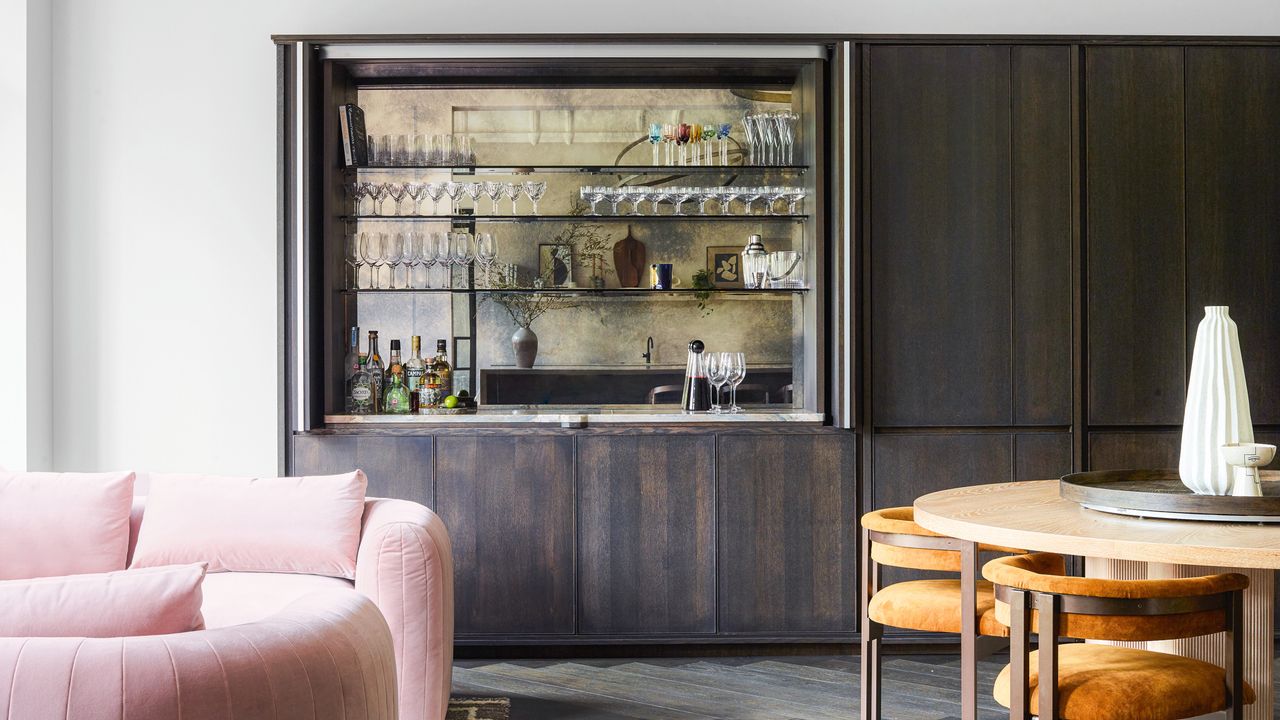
point(1032, 515)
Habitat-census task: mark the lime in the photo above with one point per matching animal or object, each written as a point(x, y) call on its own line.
point(451, 401)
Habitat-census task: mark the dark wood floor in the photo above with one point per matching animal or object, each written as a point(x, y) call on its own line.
point(917, 687)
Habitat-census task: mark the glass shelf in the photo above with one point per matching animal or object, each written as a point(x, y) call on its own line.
point(585, 169)
point(616, 292)
point(574, 218)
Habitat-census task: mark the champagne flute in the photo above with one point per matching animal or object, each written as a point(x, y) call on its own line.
point(737, 363)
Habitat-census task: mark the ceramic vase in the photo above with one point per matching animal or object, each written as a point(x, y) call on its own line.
point(525, 345)
point(1217, 405)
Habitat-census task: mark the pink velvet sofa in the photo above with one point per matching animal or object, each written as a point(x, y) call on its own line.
point(276, 645)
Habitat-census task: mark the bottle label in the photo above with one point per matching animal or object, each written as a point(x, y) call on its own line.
point(361, 393)
point(414, 376)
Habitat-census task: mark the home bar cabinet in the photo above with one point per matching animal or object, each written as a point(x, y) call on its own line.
point(584, 505)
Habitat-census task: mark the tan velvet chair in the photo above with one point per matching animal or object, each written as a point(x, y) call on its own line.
point(963, 605)
point(1107, 682)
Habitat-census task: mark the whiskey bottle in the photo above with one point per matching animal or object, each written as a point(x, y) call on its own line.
point(360, 390)
point(350, 367)
point(414, 369)
point(376, 371)
point(441, 367)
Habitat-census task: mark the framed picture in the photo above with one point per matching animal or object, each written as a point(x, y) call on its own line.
point(725, 264)
point(555, 264)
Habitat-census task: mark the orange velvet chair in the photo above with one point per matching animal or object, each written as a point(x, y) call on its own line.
point(963, 605)
point(1107, 682)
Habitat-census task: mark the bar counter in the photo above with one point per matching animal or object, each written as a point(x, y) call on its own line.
point(563, 416)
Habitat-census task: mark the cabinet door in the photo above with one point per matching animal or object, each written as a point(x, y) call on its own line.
point(646, 524)
point(1233, 205)
point(508, 504)
point(787, 541)
point(397, 467)
point(1130, 450)
point(940, 225)
point(1134, 157)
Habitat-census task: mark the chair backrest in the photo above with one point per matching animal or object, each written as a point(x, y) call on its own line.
point(897, 541)
point(652, 398)
point(788, 393)
point(760, 392)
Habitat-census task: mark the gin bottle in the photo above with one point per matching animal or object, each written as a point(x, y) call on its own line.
point(397, 402)
point(360, 390)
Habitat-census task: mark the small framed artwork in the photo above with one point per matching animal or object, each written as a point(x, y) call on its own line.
point(555, 263)
point(725, 264)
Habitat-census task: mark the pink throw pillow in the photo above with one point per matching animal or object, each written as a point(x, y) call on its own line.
point(125, 603)
point(308, 525)
point(63, 523)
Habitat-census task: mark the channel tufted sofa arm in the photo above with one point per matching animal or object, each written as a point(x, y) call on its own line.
point(326, 655)
point(405, 566)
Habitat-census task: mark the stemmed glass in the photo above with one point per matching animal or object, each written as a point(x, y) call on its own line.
point(474, 190)
point(772, 196)
point(726, 196)
point(722, 139)
point(737, 365)
point(512, 192)
point(394, 254)
point(351, 256)
point(592, 195)
point(493, 190)
point(413, 256)
point(613, 196)
point(717, 375)
point(397, 192)
point(749, 196)
point(534, 189)
point(416, 193)
point(655, 137)
point(704, 196)
point(453, 190)
point(435, 191)
point(371, 248)
point(794, 195)
point(431, 254)
point(682, 195)
point(463, 251)
point(486, 253)
point(380, 191)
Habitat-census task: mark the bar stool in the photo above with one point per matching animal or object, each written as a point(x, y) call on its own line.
point(963, 605)
point(1106, 682)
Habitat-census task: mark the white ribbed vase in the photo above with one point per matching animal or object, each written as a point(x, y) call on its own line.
point(1217, 405)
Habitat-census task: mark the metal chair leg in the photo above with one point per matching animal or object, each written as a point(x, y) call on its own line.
point(969, 632)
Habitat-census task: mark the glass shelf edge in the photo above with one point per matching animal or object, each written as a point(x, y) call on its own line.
point(570, 218)
point(581, 169)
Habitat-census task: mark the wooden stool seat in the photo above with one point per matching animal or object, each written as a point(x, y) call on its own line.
point(934, 606)
point(1105, 682)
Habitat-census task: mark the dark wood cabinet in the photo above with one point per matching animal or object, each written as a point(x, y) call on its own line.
point(508, 505)
point(1042, 456)
point(397, 467)
point(788, 548)
point(646, 512)
point(1233, 205)
point(1127, 450)
point(1134, 159)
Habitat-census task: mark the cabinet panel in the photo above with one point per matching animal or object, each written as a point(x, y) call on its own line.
point(1041, 456)
point(397, 467)
point(1136, 271)
point(1233, 205)
point(1124, 451)
point(1042, 172)
point(508, 505)
point(939, 156)
point(787, 542)
point(646, 510)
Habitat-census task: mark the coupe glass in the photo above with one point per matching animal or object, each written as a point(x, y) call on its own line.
point(726, 196)
point(435, 191)
point(654, 196)
point(463, 251)
point(493, 190)
point(397, 192)
point(380, 191)
point(772, 196)
point(592, 195)
point(474, 190)
point(417, 192)
point(794, 195)
point(614, 195)
point(395, 253)
point(454, 191)
point(680, 196)
point(717, 374)
point(737, 365)
point(749, 196)
point(486, 253)
point(512, 192)
point(534, 190)
point(704, 196)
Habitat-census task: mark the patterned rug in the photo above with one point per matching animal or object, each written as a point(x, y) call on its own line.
point(478, 708)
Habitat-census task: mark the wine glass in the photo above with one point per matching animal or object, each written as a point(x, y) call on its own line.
point(435, 191)
point(417, 193)
point(394, 254)
point(431, 252)
point(534, 189)
point(474, 190)
point(371, 249)
point(493, 190)
point(380, 191)
point(717, 374)
point(351, 257)
point(486, 252)
point(512, 192)
point(397, 192)
point(462, 250)
point(414, 256)
point(737, 364)
point(454, 191)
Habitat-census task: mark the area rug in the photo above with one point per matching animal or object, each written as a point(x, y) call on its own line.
point(478, 708)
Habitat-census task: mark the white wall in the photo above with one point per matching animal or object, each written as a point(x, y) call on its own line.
point(164, 306)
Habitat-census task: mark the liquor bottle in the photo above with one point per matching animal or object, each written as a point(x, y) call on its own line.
point(440, 365)
point(394, 367)
point(360, 389)
point(429, 395)
point(697, 391)
point(414, 369)
point(376, 371)
point(397, 402)
point(350, 367)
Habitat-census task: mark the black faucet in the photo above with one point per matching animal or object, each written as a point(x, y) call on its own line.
point(648, 351)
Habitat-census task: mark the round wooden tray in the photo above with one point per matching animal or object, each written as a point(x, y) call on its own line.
point(1161, 494)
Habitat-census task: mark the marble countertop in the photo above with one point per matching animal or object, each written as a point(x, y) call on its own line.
point(580, 417)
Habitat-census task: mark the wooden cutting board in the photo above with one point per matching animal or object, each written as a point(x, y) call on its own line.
point(629, 260)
